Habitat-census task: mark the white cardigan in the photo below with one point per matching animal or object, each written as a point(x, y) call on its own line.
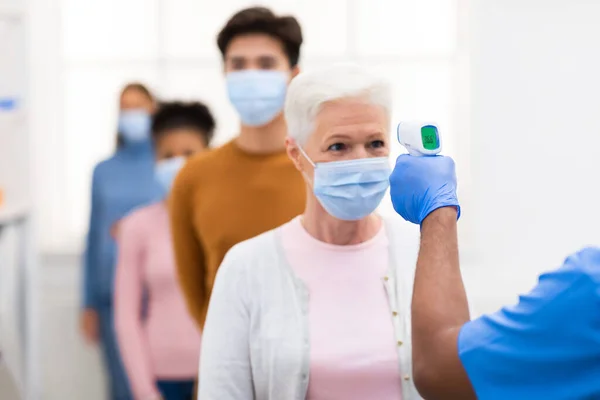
point(255, 343)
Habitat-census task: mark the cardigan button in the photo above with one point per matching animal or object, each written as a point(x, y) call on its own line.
point(400, 343)
point(385, 278)
point(407, 377)
point(395, 313)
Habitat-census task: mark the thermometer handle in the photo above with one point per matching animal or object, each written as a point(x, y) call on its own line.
point(416, 153)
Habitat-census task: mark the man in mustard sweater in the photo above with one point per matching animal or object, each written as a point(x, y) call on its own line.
point(248, 186)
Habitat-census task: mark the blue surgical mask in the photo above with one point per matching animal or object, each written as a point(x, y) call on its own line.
point(165, 171)
point(350, 190)
point(135, 125)
point(258, 96)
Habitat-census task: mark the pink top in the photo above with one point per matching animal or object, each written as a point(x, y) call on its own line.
point(353, 354)
point(165, 345)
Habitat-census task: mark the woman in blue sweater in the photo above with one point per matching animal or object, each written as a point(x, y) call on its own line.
point(119, 184)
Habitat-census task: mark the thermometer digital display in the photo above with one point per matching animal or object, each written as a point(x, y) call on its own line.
point(419, 139)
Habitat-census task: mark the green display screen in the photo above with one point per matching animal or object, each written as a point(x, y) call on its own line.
point(429, 137)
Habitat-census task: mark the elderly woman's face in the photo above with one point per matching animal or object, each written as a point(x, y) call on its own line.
point(346, 130)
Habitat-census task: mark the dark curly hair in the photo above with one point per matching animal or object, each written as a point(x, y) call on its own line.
point(262, 20)
point(177, 115)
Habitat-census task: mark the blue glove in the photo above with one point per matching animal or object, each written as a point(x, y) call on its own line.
point(420, 185)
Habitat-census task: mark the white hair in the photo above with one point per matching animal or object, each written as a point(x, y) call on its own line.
point(308, 91)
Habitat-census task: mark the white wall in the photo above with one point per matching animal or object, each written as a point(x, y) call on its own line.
point(14, 154)
point(535, 136)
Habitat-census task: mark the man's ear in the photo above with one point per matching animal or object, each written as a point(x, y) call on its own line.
point(295, 71)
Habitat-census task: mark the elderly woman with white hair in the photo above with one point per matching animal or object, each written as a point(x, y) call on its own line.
point(319, 308)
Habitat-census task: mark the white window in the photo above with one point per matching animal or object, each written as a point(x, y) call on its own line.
point(170, 45)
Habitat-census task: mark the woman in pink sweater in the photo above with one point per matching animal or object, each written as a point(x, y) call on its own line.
point(160, 351)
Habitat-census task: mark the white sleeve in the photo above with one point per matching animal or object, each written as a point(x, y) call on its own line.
point(225, 370)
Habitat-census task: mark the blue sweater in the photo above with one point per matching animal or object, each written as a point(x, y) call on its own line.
point(119, 184)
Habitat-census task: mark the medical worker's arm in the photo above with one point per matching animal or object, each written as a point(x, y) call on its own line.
point(423, 191)
point(225, 369)
point(439, 309)
point(129, 287)
point(189, 254)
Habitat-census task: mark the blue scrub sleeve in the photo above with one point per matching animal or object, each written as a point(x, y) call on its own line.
point(540, 348)
point(91, 248)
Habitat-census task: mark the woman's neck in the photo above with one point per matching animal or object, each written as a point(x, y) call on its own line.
point(325, 228)
point(264, 139)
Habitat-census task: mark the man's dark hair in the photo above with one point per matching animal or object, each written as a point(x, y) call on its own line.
point(262, 20)
point(178, 115)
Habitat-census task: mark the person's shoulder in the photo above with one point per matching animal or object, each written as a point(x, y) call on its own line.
point(105, 166)
point(254, 251)
point(142, 218)
point(581, 271)
point(210, 157)
point(204, 164)
point(145, 212)
point(559, 312)
point(576, 282)
point(587, 262)
point(249, 261)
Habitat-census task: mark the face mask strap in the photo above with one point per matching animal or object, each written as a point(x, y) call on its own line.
point(311, 163)
point(307, 157)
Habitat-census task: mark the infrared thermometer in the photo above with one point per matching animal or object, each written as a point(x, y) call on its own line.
point(420, 139)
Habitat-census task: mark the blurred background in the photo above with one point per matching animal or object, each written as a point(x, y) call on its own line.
point(512, 84)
